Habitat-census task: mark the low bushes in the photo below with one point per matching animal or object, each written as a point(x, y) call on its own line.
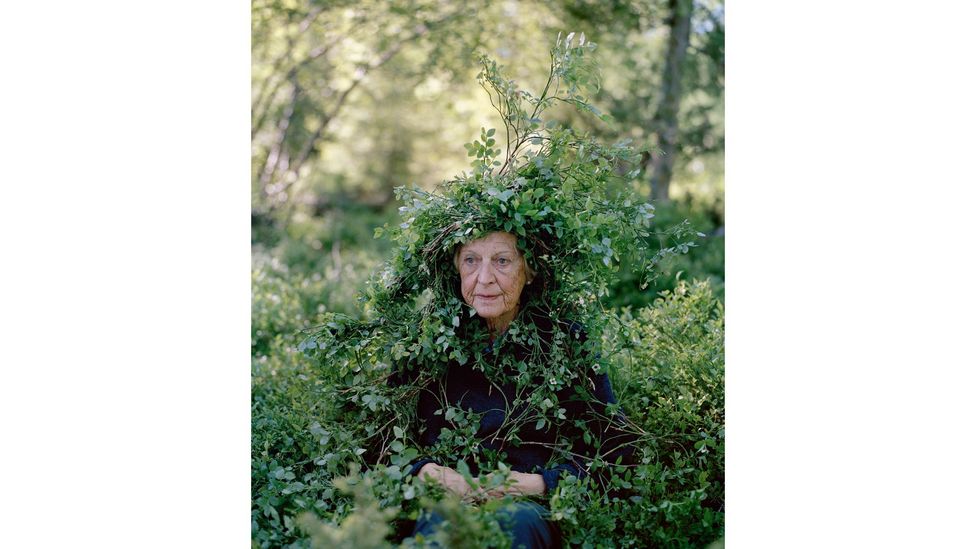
point(670, 380)
point(316, 480)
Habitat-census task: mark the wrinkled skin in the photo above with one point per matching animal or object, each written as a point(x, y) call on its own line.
point(493, 274)
point(515, 484)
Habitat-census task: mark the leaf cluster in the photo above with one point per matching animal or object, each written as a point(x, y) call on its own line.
point(668, 373)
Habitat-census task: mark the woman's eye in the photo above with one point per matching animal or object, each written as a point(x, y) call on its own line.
point(469, 261)
point(503, 261)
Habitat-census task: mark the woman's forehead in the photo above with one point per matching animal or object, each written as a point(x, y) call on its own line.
point(492, 243)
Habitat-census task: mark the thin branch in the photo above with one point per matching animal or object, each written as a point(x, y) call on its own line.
point(260, 115)
point(303, 26)
point(284, 123)
point(316, 136)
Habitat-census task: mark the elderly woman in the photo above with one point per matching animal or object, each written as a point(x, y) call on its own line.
point(493, 279)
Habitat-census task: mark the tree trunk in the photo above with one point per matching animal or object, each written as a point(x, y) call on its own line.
point(666, 118)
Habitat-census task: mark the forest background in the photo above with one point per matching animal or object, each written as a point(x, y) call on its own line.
point(353, 99)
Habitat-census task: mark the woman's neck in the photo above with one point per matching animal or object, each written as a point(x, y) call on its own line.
point(498, 325)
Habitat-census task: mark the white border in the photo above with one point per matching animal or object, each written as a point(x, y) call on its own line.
point(125, 222)
point(849, 193)
point(125, 298)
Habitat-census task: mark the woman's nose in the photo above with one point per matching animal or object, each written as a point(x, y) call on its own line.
point(485, 276)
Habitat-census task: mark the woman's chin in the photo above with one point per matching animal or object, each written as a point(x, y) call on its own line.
point(491, 314)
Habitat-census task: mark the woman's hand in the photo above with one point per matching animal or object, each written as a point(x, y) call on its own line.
point(516, 484)
point(451, 480)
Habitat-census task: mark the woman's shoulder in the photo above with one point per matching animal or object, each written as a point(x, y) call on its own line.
point(545, 323)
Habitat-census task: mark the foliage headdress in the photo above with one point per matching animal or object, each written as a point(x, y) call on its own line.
point(568, 199)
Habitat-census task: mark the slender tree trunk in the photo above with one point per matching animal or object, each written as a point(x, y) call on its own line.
point(272, 162)
point(281, 168)
point(260, 112)
point(666, 118)
point(313, 142)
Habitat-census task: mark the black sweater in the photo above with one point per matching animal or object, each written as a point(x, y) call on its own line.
point(469, 389)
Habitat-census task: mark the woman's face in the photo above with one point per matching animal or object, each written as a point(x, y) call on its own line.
point(492, 276)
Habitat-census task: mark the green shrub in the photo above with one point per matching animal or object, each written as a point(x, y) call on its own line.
point(277, 311)
point(670, 379)
point(311, 437)
point(292, 471)
point(704, 261)
point(289, 297)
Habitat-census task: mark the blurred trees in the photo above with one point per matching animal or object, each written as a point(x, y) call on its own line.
point(352, 98)
point(666, 117)
point(664, 69)
point(310, 56)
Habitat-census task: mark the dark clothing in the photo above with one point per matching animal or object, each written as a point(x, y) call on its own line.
point(469, 389)
point(507, 429)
